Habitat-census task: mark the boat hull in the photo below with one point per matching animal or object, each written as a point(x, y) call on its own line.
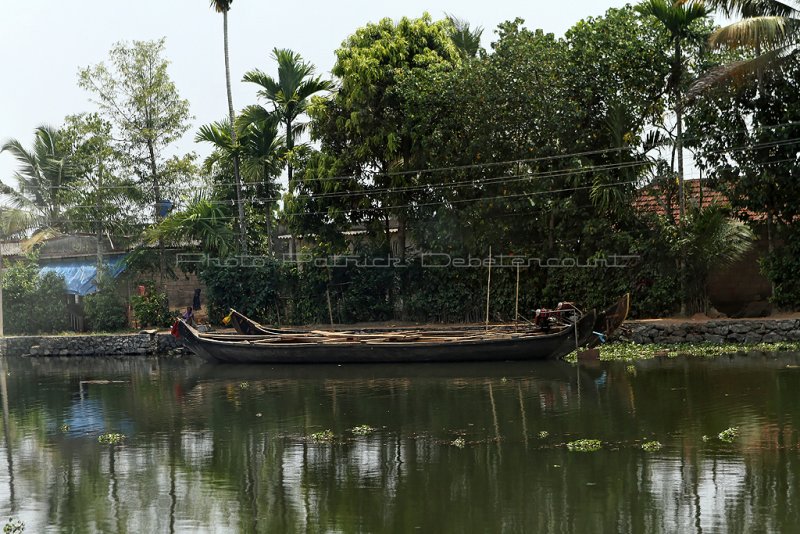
point(507, 348)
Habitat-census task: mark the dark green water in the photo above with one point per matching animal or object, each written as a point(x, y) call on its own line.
point(225, 448)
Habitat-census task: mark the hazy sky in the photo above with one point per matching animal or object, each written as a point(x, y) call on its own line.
point(43, 43)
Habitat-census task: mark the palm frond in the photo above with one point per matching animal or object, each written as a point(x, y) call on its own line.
point(751, 8)
point(738, 71)
point(755, 32)
point(221, 6)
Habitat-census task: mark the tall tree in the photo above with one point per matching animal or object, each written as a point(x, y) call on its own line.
point(678, 17)
point(223, 6)
point(365, 125)
point(290, 94)
point(136, 95)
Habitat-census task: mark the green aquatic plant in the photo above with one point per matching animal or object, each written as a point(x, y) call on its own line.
point(543, 434)
point(628, 351)
point(13, 526)
point(585, 445)
point(362, 430)
point(111, 438)
point(651, 446)
point(323, 436)
point(705, 438)
point(458, 442)
point(729, 435)
point(65, 428)
point(244, 385)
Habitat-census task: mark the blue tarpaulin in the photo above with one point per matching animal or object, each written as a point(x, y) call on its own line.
point(80, 275)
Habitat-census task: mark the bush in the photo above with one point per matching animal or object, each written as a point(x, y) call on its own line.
point(33, 304)
point(152, 309)
point(781, 267)
point(105, 309)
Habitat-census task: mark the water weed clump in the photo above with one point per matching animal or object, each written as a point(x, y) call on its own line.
point(651, 446)
point(323, 436)
point(629, 351)
point(13, 526)
point(111, 438)
point(585, 445)
point(458, 442)
point(362, 430)
point(543, 434)
point(729, 435)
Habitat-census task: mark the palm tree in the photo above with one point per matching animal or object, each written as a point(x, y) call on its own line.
point(709, 239)
point(466, 39)
point(769, 27)
point(223, 6)
point(290, 93)
point(203, 221)
point(263, 152)
point(677, 17)
point(42, 177)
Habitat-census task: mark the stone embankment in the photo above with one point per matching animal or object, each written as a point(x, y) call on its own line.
point(743, 331)
point(142, 344)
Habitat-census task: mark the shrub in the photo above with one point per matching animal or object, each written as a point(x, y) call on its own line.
point(105, 309)
point(152, 308)
point(33, 304)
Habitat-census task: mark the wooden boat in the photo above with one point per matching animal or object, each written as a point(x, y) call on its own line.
point(610, 319)
point(380, 347)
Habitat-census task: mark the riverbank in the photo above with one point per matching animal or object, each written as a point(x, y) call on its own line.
point(740, 331)
point(654, 334)
point(146, 343)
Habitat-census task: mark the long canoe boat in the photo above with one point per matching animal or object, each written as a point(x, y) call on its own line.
point(607, 322)
point(396, 347)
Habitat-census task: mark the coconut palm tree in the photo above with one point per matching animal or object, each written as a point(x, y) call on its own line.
point(263, 154)
point(677, 17)
point(771, 28)
point(290, 94)
point(466, 39)
point(260, 149)
point(223, 6)
point(203, 221)
point(42, 177)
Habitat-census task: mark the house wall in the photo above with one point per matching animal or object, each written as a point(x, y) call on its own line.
point(741, 289)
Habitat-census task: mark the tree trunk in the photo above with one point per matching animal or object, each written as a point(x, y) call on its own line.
point(162, 260)
point(237, 177)
point(679, 119)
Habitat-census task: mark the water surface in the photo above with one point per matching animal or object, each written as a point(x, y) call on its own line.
point(229, 448)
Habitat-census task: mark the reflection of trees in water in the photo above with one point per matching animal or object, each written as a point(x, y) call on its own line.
point(198, 454)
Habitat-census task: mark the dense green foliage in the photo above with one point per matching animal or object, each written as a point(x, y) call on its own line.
point(33, 304)
point(425, 143)
point(105, 309)
point(152, 308)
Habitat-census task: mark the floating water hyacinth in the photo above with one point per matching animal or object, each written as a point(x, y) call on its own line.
point(362, 430)
point(458, 442)
point(585, 445)
point(651, 446)
point(729, 434)
point(543, 434)
point(244, 385)
point(111, 438)
point(323, 436)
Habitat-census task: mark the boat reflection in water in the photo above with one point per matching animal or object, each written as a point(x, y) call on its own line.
point(467, 447)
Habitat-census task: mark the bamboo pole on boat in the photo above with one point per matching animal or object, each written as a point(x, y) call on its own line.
point(330, 310)
point(488, 287)
point(516, 302)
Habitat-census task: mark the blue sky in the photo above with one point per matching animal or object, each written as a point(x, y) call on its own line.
point(43, 43)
